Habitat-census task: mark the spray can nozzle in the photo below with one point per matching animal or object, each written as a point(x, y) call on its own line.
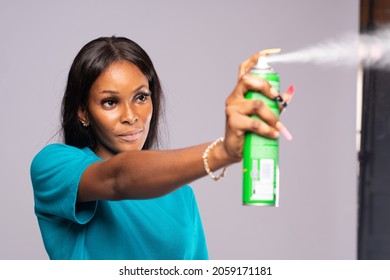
point(262, 62)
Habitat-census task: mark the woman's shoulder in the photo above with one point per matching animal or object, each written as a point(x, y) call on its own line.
point(60, 160)
point(54, 147)
point(59, 149)
point(57, 153)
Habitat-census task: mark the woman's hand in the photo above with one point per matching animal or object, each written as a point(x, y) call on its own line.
point(239, 109)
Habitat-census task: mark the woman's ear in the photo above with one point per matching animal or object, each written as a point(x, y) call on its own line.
point(83, 116)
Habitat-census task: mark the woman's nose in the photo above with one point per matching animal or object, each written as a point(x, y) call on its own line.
point(129, 115)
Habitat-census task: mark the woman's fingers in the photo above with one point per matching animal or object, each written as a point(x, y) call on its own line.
point(254, 107)
point(285, 98)
point(241, 124)
point(270, 51)
point(249, 82)
point(267, 123)
point(248, 64)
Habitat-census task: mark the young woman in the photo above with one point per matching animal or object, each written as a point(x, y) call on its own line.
point(104, 194)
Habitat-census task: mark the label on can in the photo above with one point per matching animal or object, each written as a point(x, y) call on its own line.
point(261, 157)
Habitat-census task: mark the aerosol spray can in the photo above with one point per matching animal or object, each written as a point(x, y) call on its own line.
point(261, 154)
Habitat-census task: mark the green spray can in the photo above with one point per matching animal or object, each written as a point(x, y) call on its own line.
point(261, 154)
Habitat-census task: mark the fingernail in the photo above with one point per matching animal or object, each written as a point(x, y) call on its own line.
point(283, 130)
point(270, 51)
point(291, 90)
point(286, 134)
point(274, 92)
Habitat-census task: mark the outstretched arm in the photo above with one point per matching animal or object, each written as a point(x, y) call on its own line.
point(149, 174)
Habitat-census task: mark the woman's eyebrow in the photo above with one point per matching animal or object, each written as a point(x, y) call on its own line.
point(139, 88)
point(109, 91)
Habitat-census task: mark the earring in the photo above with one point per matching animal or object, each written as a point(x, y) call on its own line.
point(84, 123)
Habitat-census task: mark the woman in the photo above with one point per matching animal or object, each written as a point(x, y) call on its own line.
point(104, 194)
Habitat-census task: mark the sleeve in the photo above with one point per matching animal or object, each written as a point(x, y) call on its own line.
point(55, 174)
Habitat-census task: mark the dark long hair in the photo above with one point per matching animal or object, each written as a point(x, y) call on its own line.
point(88, 65)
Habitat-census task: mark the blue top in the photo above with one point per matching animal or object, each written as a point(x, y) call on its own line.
point(168, 227)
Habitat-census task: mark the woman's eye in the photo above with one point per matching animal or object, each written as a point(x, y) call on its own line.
point(108, 103)
point(143, 97)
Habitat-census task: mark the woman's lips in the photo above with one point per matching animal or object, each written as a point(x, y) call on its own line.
point(131, 136)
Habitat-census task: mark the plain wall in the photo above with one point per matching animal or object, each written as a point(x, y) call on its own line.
point(196, 47)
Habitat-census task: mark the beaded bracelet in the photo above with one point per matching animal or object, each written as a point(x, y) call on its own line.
point(206, 164)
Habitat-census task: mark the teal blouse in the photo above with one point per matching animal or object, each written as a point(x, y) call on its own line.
point(168, 227)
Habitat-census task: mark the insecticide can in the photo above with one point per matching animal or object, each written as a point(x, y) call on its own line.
point(261, 154)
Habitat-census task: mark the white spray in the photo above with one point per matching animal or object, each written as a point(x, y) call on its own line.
point(371, 50)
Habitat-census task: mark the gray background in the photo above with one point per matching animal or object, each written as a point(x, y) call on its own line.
point(196, 47)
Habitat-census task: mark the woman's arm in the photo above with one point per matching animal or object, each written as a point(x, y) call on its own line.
point(149, 174)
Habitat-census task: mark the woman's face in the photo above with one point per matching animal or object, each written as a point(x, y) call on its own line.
point(120, 109)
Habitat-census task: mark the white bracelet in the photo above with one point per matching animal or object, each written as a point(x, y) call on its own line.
point(206, 164)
